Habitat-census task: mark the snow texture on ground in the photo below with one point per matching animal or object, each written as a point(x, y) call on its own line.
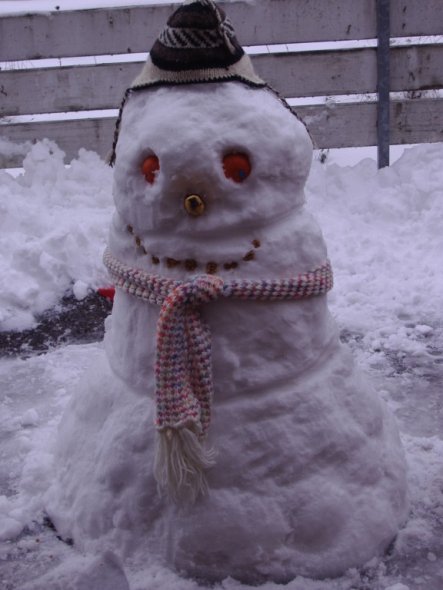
point(383, 230)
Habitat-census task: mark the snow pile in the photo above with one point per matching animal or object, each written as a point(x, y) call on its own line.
point(53, 227)
point(383, 231)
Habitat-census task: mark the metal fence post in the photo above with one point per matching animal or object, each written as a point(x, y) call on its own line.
point(383, 86)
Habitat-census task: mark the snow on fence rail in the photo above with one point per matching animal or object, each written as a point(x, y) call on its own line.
point(30, 89)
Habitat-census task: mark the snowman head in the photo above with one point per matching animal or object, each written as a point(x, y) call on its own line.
point(207, 158)
point(203, 144)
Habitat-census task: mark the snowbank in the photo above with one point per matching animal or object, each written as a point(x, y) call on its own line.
point(383, 230)
point(53, 226)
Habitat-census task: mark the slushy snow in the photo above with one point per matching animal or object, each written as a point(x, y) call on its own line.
point(383, 230)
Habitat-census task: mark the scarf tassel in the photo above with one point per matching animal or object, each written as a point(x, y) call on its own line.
point(180, 464)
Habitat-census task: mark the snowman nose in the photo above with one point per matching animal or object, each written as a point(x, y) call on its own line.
point(194, 205)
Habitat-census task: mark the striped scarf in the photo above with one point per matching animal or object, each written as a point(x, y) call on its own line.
point(184, 387)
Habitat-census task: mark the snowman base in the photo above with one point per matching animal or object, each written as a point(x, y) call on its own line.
point(310, 493)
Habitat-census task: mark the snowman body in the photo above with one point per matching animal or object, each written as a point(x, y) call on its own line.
point(310, 475)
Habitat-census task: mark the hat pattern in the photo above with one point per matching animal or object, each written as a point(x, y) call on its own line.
point(197, 35)
point(198, 44)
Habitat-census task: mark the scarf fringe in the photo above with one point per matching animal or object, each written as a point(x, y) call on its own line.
point(180, 463)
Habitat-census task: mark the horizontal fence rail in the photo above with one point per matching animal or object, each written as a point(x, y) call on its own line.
point(133, 30)
point(416, 69)
point(320, 73)
point(336, 125)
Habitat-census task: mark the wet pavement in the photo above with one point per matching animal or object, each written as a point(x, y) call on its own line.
point(71, 321)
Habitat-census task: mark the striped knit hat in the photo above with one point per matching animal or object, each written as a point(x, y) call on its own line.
point(198, 45)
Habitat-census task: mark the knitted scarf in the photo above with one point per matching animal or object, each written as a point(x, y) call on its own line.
point(184, 388)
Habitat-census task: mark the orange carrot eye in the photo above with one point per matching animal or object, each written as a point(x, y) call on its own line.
point(149, 167)
point(236, 167)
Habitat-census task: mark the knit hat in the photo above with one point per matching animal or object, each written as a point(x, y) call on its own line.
point(198, 45)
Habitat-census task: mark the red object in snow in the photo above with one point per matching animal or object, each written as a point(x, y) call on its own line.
point(107, 292)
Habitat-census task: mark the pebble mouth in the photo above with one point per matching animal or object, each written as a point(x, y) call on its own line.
point(193, 264)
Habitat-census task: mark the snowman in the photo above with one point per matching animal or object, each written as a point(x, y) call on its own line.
point(227, 432)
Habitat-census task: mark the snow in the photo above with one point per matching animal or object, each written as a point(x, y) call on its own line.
point(43, 227)
point(383, 231)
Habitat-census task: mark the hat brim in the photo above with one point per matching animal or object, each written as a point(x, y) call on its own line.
point(241, 71)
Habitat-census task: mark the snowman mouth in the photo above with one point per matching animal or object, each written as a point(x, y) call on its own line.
point(192, 264)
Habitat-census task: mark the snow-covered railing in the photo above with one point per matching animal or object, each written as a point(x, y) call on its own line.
point(63, 73)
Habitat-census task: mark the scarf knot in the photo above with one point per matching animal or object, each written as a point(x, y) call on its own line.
point(199, 290)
